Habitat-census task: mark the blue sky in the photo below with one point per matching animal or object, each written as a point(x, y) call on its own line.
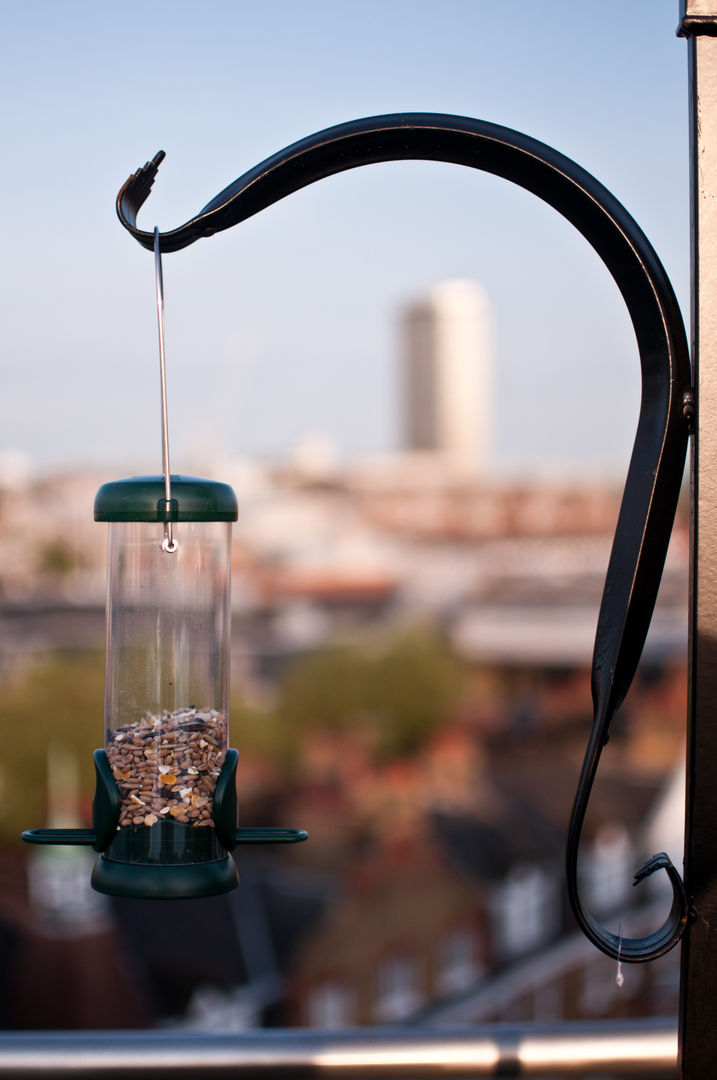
point(288, 323)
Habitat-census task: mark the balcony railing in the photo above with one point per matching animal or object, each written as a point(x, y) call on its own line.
point(619, 1049)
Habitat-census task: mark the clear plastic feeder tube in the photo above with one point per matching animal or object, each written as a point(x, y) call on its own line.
point(167, 662)
point(166, 684)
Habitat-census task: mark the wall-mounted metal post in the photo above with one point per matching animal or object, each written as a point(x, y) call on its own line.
point(699, 957)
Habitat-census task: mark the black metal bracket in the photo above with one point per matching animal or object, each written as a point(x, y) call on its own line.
point(656, 467)
point(697, 26)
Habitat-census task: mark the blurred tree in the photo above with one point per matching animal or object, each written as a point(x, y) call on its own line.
point(57, 557)
point(402, 691)
point(58, 701)
point(257, 729)
point(411, 689)
point(325, 690)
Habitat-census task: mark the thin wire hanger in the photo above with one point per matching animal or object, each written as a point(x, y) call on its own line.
point(169, 543)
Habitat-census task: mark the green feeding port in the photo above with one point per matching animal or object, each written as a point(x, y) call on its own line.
point(164, 814)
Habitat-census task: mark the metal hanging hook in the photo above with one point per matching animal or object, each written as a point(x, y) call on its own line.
point(624, 950)
point(654, 476)
point(169, 543)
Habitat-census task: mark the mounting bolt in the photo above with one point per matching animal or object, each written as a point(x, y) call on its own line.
point(688, 409)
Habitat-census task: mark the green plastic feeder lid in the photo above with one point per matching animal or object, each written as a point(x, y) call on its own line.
point(142, 498)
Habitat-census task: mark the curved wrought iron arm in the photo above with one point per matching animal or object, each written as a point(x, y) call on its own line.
point(656, 466)
point(627, 949)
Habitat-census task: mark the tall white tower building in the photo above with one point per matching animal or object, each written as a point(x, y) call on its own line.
point(448, 376)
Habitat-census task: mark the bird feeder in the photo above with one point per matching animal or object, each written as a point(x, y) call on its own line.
point(166, 685)
point(164, 812)
point(165, 807)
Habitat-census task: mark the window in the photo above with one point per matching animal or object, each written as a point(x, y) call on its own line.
point(457, 963)
point(331, 1005)
point(398, 991)
point(526, 910)
point(608, 870)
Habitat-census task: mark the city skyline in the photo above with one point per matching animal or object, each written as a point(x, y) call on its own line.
point(289, 323)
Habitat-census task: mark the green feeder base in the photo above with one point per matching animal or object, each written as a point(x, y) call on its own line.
point(183, 881)
point(168, 860)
